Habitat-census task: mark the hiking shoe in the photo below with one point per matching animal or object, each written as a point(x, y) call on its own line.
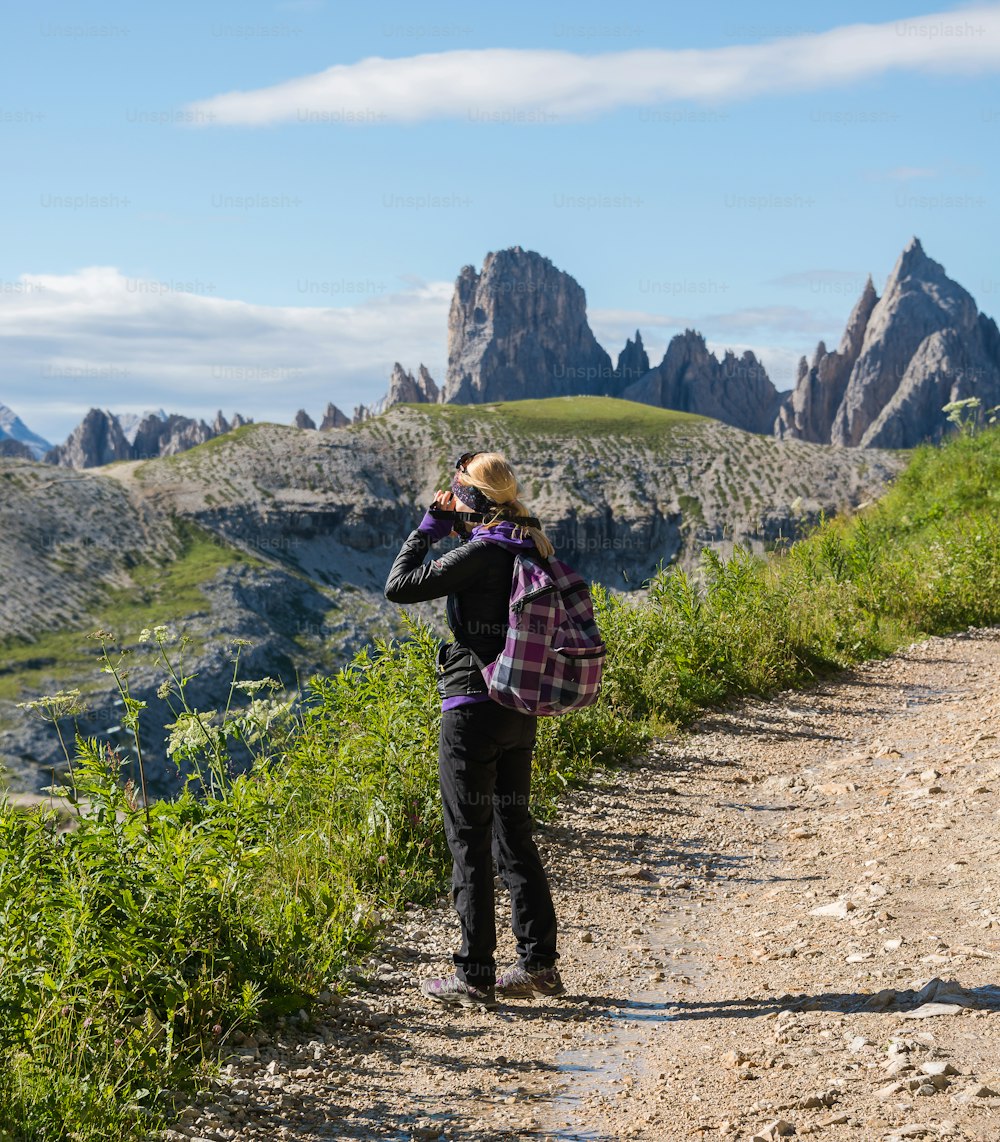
point(519, 983)
point(454, 992)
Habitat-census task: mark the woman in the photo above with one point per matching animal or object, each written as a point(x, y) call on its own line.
point(484, 757)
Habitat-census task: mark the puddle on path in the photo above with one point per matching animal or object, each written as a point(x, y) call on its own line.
point(614, 1056)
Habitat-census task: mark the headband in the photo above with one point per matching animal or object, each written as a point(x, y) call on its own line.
point(472, 496)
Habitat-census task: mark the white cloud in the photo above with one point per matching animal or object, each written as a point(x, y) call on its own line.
point(543, 85)
point(97, 337)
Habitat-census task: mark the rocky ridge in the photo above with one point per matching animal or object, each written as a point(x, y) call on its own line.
point(101, 438)
point(735, 390)
point(903, 357)
point(518, 329)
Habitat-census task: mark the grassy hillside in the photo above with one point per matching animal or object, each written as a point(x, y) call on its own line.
point(559, 446)
point(136, 943)
point(170, 589)
point(573, 417)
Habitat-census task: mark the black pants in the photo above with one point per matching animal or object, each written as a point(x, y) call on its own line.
point(484, 763)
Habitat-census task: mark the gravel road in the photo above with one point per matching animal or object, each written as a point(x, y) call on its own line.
point(785, 923)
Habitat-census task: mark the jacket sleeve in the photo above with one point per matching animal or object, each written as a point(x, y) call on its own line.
point(413, 581)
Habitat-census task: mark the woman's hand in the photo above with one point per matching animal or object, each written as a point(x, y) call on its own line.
point(434, 528)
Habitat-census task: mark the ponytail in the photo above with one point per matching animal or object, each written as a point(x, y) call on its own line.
point(491, 473)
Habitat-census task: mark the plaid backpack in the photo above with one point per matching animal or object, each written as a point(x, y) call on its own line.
point(553, 658)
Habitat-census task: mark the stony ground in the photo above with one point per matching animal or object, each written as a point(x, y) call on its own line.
point(786, 923)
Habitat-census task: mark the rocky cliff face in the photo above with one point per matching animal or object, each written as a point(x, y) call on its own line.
point(404, 388)
point(948, 365)
point(633, 361)
point(518, 329)
point(97, 440)
point(735, 390)
point(333, 418)
point(303, 420)
point(902, 358)
point(810, 409)
point(101, 439)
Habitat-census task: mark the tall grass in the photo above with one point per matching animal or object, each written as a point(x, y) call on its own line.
point(133, 945)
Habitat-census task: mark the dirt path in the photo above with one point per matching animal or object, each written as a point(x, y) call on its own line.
point(707, 997)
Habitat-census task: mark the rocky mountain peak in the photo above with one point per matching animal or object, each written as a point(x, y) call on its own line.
point(404, 388)
point(633, 361)
point(98, 439)
point(13, 428)
point(304, 420)
point(427, 385)
point(857, 323)
point(333, 418)
point(690, 378)
point(901, 359)
point(913, 256)
point(517, 329)
point(919, 301)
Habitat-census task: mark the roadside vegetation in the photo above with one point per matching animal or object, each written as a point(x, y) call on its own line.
point(137, 941)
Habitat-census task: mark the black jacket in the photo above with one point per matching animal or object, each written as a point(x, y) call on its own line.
point(476, 577)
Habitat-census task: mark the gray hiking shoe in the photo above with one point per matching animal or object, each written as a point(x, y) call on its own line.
point(519, 983)
point(454, 992)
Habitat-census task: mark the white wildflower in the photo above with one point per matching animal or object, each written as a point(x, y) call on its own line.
point(192, 732)
point(255, 686)
point(157, 634)
point(62, 704)
point(260, 715)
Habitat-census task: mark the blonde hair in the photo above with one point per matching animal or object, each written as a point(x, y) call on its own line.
point(491, 473)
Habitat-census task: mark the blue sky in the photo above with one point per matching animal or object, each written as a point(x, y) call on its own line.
point(168, 244)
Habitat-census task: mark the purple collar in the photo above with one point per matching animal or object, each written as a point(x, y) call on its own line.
point(503, 533)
